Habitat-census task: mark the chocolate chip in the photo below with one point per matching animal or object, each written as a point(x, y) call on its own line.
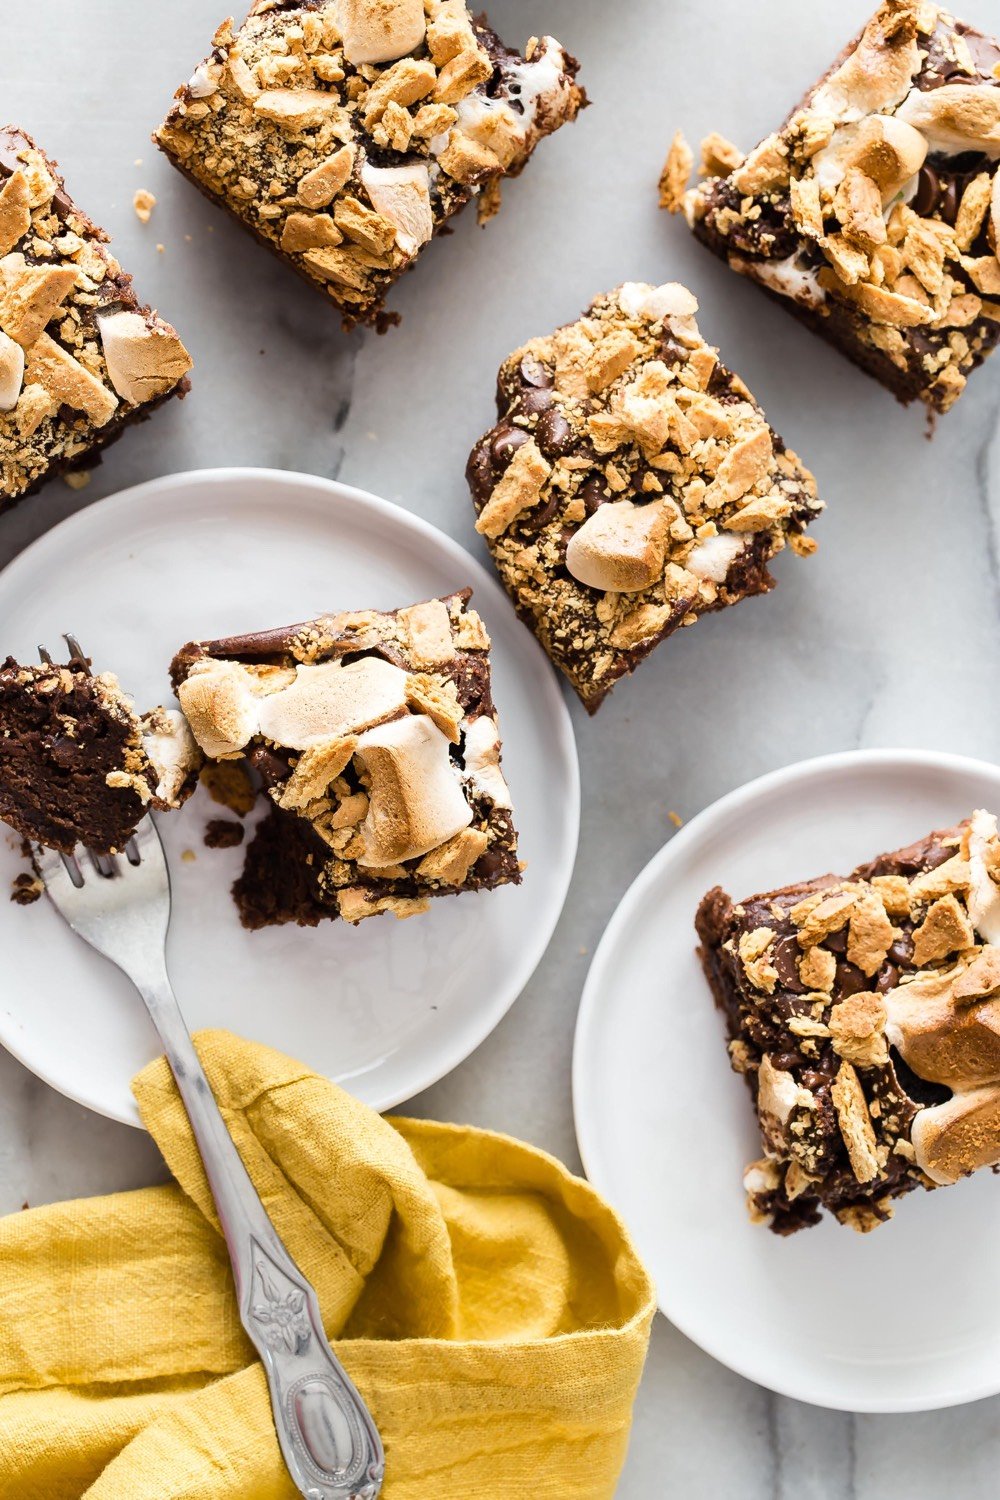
point(537, 516)
point(533, 372)
point(928, 192)
point(532, 401)
point(269, 766)
point(479, 472)
point(506, 440)
point(553, 434)
point(593, 493)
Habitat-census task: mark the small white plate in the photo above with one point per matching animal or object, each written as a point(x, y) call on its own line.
point(903, 1319)
point(386, 1008)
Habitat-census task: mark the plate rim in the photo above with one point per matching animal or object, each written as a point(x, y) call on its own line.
point(589, 1010)
point(530, 955)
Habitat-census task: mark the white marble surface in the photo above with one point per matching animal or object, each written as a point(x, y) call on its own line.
point(889, 636)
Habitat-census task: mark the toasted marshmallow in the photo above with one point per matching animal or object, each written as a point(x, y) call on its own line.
point(144, 359)
point(482, 759)
point(11, 372)
point(712, 558)
point(956, 117)
point(332, 699)
point(620, 548)
point(219, 704)
point(940, 1039)
point(415, 798)
point(953, 1139)
point(984, 895)
point(670, 303)
point(403, 196)
point(884, 147)
point(874, 77)
point(172, 752)
point(379, 31)
point(778, 1097)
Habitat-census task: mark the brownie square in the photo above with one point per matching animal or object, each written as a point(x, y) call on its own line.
point(80, 356)
point(873, 213)
point(864, 1013)
point(344, 136)
point(631, 484)
point(375, 739)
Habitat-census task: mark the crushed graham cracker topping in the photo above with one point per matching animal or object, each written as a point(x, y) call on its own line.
point(78, 353)
point(631, 484)
point(346, 134)
point(866, 1013)
point(875, 208)
point(378, 731)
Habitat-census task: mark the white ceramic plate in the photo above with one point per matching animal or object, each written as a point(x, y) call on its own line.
point(386, 1008)
point(903, 1319)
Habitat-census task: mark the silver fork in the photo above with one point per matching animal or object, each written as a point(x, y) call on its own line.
point(120, 905)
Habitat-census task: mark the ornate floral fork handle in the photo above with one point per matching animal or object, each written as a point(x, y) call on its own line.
point(329, 1441)
point(120, 905)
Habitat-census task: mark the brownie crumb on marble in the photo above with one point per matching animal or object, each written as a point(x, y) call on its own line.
point(864, 1014)
point(345, 135)
point(374, 737)
point(873, 213)
point(631, 484)
point(80, 357)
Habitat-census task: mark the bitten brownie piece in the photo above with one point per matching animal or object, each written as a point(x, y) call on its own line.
point(631, 484)
point(864, 1014)
point(344, 134)
point(80, 356)
point(874, 212)
point(376, 739)
point(78, 765)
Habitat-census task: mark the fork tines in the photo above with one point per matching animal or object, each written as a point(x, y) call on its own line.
point(104, 864)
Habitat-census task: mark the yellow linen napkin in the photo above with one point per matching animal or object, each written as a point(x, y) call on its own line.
point(488, 1305)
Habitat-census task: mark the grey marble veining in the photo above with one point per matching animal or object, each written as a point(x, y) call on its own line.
point(888, 637)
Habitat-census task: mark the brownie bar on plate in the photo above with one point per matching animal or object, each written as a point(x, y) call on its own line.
point(345, 135)
point(873, 213)
point(80, 356)
point(376, 738)
point(631, 484)
point(78, 765)
point(864, 1013)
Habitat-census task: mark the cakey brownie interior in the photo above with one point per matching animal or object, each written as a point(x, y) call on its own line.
point(631, 484)
point(77, 765)
point(80, 356)
point(345, 135)
point(864, 1014)
point(873, 213)
point(376, 739)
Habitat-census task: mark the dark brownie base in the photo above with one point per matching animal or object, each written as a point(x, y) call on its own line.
point(57, 748)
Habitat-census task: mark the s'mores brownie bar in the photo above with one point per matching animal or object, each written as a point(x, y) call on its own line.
point(864, 1014)
point(873, 213)
point(78, 764)
point(344, 134)
point(375, 737)
point(631, 484)
point(80, 357)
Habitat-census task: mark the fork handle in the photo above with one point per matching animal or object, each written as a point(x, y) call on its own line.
point(330, 1444)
